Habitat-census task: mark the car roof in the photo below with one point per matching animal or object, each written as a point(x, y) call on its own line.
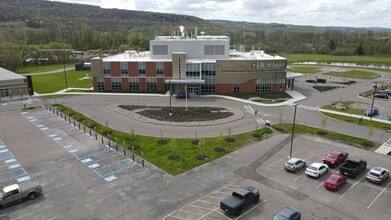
point(317, 165)
point(336, 152)
point(335, 176)
point(294, 159)
point(288, 211)
point(377, 169)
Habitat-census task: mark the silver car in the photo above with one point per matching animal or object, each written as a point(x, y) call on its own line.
point(377, 175)
point(294, 164)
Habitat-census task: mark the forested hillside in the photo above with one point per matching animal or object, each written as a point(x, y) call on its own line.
point(28, 26)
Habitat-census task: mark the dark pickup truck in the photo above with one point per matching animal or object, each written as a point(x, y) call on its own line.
point(239, 200)
point(353, 166)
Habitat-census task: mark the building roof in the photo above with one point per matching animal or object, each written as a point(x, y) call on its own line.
point(9, 75)
point(233, 55)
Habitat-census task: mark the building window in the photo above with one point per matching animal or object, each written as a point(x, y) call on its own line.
point(236, 88)
point(134, 84)
point(106, 69)
point(101, 84)
point(214, 49)
point(208, 73)
point(151, 84)
point(263, 85)
point(141, 68)
point(160, 49)
point(179, 68)
point(124, 69)
point(160, 68)
point(116, 84)
point(193, 70)
point(4, 93)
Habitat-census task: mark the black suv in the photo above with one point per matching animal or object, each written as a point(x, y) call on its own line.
point(182, 95)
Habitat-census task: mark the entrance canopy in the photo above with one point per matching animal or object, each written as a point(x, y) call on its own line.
point(185, 81)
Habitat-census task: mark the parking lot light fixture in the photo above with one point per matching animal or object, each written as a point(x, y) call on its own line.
point(373, 99)
point(293, 130)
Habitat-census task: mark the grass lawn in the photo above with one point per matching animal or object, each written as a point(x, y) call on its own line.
point(368, 123)
point(56, 96)
point(355, 141)
point(303, 69)
point(354, 74)
point(348, 109)
point(42, 68)
point(159, 154)
point(294, 58)
point(54, 82)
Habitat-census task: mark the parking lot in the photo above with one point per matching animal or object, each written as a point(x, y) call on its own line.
point(358, 199)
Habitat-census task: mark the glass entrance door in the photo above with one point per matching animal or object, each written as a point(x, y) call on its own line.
point(193, 90)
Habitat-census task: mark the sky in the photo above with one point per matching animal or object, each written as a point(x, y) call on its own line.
point(347, 13)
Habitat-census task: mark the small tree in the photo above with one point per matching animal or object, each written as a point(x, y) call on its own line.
point(280, 118)
point(370, 134)
point(229, 132)
point(196, 134)
point(324, 122)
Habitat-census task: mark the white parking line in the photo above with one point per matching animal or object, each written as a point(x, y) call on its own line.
point(319, 185)
point(299, 176)
point(250, 209)
point(22, 216)
point(352, 186)
point(197, 206)
point(378, 195)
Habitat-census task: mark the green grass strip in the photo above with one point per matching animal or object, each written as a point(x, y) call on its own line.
point(368, 123)
point(350, 140)
point(357, 74)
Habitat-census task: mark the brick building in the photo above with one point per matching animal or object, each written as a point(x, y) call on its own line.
point(202, 64)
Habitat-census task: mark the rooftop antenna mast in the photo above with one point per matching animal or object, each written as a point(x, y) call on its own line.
point(182, 29)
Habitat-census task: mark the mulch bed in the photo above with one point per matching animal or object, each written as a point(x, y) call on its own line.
point(92, 126)
point(256, 135)
point(174, 157)
point(229, 140)
point(134, 147)
point(219, 149)
point(195, 142)
point(107, 133)
point(321, 132)
point(162, 142)
point(130, 138)
point(201, 157)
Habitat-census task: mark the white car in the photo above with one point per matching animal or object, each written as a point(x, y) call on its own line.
point(294, 164)
point(316, 169)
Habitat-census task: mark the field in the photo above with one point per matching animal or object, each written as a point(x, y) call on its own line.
point(42, 68)
point(50, 83)
point(357, 74)
point(294, 58)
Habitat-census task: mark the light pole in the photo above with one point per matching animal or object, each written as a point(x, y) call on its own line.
point(373, 99)
point(66, 81)
point(169, 87)
point(293, 130)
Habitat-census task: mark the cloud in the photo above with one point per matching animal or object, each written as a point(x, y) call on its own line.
point(353, 13)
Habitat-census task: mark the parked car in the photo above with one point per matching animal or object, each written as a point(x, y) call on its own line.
point(320, 80)
point(377, 175)
point(335, 181)
point(294, 164)
point(387, 91)
point(353, 167)
point(381, 95)
point(239, 200)
point(182, 95)
point(335, 157)
point(287, 213)
point(369, 112)
point(17, 192)
point(311, 80)
point(316, 169)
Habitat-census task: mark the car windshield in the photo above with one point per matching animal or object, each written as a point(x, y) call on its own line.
point(374, 174)
point(331, 180)
point(333, 156)
point(312, 168)
point(2, 194)
point(289, 163)
point(278, 216)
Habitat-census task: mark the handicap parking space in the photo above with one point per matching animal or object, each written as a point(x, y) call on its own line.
point(103, 160)
point(357, 193)
point(10, 169)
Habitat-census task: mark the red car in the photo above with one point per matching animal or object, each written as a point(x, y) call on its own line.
point(335, 181)
point(335, 157)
